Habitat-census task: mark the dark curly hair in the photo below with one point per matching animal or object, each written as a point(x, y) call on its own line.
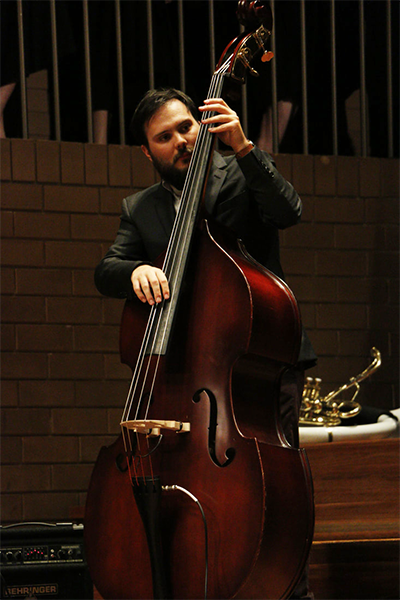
point(149, 105)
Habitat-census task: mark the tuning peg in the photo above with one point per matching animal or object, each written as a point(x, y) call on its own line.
point(266, 57)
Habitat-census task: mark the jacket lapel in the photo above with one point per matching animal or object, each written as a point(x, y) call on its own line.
point(164, 209)
point(216, 178)
point(164, 203)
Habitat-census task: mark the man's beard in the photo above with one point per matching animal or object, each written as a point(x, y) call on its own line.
point(176, 177)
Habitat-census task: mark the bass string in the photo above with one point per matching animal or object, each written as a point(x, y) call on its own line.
point(172, 259)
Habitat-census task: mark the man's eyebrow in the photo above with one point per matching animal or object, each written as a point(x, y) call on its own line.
point(183, 122)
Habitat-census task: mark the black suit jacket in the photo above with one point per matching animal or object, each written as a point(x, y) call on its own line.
point(249, 196)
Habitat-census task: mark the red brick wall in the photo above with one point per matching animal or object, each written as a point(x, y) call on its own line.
point(63, 388)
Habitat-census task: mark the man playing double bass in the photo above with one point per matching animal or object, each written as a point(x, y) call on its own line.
point(244, 192)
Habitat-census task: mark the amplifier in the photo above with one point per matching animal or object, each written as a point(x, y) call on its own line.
point(42, 560)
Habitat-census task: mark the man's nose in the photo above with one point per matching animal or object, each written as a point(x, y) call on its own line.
point(181, 140)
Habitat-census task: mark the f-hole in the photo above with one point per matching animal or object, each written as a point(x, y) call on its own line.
point(212, 429)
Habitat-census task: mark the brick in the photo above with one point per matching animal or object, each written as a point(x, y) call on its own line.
point(76, 366)
point(11, 450)
point(391, 237)
point(334, 371)
point(384, 264)
point(394, 292)
point(23, 160)
point(20, 478)
point(38, 80)
point(341, 316)
point(49, 506)
point(39, 125)
point(119, 165)
point(72, 254)
point(390, 177)
point(74, 310)
point(143, 172)
point(112, 310)
point(20, 252)
point(307, 312)
point(111, 199)
point(50, 449)
point(29, 421)
point(7, 280)
point(394, 345)
point(92, 338)
point(72, 162)
point(96, 164)
point(24, 365)
point(17, 196)
point(45, 338)
point(382, 210)
point(25, 309)
point(7, 337)
point(303, 174)
point(359, 343)
point(324, 341)
point(370, 184)
point(83, 283)
point(5, 157)
point(114, 369)
point(94, 227)
point(325, 175)
point(362, 289)
point(90, 446)
point(71, 477)
point(7, 224)
point(308, 208)
point(339, 210)
point(389, 370)
point(348, 176)
point(299, 262)
point(114, 419)
point(48, 161)
point(355, 237)
point(79, 421)
point(42, 225)
point(339, 262)
point(11, 508)
point(44, 282)
point(102, 393)
point(317, 289)
point(284, 165)
point(46, 393)
point(9, 393)
point(306, 234)
point(384, 317)
point(37, 100)
point(380, 395)
point(71, 199)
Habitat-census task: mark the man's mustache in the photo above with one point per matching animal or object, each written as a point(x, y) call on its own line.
point(182, 152)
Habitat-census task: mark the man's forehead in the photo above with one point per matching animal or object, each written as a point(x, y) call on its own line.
point(172, 111)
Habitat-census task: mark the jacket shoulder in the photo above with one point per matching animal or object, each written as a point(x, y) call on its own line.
point(136, 201)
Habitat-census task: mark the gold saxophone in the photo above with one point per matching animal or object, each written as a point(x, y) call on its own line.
point(325, 411)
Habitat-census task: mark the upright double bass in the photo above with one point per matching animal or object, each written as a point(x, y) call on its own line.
point(201, 496)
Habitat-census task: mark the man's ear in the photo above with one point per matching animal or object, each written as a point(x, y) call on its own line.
point(146, 152)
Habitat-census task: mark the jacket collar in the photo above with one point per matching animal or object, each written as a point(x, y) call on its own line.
point(163, 200)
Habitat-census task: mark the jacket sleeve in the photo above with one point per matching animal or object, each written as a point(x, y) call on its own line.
point(113, 274)
point(278, 202)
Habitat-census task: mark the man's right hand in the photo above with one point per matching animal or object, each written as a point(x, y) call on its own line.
point(150, 284)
